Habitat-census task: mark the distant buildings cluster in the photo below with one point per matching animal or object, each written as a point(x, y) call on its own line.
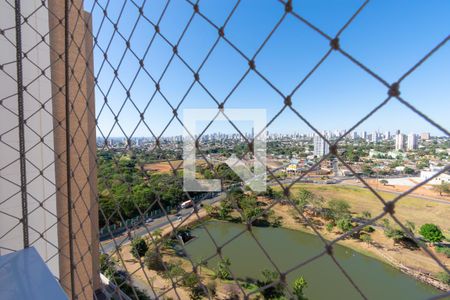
point(408, 142)
point(321, 147)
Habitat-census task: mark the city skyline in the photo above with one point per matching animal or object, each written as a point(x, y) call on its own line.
point(311, 134)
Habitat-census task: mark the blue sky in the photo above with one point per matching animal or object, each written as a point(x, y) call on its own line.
point(388, 37)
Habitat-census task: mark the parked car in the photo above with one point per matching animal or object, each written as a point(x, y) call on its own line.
point(149, 220)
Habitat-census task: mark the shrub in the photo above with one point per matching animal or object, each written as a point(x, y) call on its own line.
point(431, 233)
point(330, 226)
point(107, 266)
point(190, 280)
point(299, 284)
point(344, 224)
point(174, 271)
point(443, 277)
point(339, 209)
point(153, 261)
point(222, 269)
point(366, 214)
point(443, 250)
point(138, 247)
point(364, 237)
point(368, 229)
point(274, 292)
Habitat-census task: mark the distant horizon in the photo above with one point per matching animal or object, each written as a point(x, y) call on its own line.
point(392, 132)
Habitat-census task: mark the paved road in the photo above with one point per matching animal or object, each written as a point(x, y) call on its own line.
point(110, 245)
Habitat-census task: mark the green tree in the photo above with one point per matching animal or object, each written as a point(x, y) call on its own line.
point(431, 233)
point(107, 265)
point(275, 291)
point(344, 224)
point(192, 282)
point(340, 209)
point(443, 188)
point(408, 171)
point(314, 201)
point(138, 247)
point(303, 198)
point(366, 169)
point(153, 260)
point(299, 285)
point(223, 269)
point(225, 210)
point(364, 237)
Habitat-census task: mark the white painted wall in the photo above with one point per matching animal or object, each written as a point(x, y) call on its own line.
point(39, 125)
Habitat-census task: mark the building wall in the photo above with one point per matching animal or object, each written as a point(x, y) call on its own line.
point(45, 142)
point(39, 125)
point(83, 181)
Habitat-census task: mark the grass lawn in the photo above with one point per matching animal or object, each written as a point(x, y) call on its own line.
point(419, 211)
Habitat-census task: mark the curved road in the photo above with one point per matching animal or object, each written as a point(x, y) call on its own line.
point(110, 245)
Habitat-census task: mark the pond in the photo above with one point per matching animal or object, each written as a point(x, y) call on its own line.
point(288, 248)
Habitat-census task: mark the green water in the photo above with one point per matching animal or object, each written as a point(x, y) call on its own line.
point(287, 248)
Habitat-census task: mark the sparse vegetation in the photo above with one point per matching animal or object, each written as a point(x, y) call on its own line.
point(443, 277)
point(153, 260)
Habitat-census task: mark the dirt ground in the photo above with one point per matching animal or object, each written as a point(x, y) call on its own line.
point(426, 190)
point(164, 166)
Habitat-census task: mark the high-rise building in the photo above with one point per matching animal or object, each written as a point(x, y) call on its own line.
point(399, 141)
point(355, 135)
point(425, 136)
point(321, 147)
point(374, 137)
point(412, 141)
point(387, 135)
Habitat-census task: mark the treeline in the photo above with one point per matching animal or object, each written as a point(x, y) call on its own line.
point(125, 190)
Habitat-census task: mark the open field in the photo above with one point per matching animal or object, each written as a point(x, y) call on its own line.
point(395, 185)
point(417, 210)
point(164, 166)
